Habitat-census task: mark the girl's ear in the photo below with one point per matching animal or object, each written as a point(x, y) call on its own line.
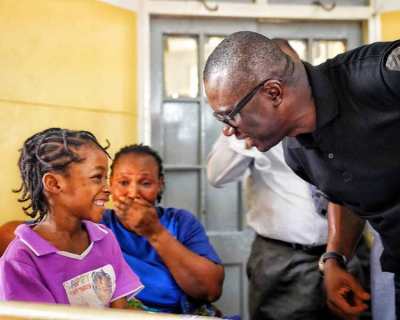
point(51, 182)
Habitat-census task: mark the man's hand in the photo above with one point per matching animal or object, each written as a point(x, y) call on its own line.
point(345, 296)
point(139, 216)
point(228, 131)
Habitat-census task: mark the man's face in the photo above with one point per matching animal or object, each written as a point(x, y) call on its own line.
point(262, 121)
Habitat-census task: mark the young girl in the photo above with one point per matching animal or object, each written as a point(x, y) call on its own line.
point(58, 259)
point(167, 247)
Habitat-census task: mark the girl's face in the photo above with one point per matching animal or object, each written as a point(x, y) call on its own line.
point(85, 184)
point(136, 176)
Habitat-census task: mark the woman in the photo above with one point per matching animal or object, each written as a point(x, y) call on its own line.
point(166, 247)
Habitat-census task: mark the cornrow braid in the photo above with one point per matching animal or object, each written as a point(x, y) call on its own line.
point(141, 149)
point(45, 151)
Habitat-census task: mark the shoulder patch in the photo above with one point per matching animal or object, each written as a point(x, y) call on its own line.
point(393, 60)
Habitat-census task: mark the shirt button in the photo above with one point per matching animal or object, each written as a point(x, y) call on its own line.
point(331, 155)
point(347, 176)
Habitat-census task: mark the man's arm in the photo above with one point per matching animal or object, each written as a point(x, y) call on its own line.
point(345, 296)
point(345, 230)
point(225, 164)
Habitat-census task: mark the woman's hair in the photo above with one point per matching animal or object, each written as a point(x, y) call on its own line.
point(142, 150)
point(45, 151)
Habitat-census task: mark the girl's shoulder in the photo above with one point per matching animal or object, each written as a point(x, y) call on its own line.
point(22, 248)
point(97, 231)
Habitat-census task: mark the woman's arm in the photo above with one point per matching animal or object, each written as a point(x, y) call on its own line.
point(197, 276)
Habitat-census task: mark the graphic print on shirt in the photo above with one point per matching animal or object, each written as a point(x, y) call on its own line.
point(94, 288)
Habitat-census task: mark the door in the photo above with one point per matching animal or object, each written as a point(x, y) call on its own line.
point(183, 129)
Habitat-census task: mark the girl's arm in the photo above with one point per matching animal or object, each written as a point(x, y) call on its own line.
point(120, 304)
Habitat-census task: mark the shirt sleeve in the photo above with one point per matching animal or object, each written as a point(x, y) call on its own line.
point(392, 71)
point(193, 236)
point(128, 283)
point(227, 161)
point(21, 282)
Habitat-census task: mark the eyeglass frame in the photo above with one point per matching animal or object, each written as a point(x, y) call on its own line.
point(229, 118)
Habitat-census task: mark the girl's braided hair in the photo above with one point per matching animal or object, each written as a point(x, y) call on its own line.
point(45, 151)
point(144, 150)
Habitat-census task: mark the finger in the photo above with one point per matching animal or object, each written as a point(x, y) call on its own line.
point(120, 208)
point(336, 311)
point(228, 131)
point(361, 303)
point(248, 143)
point(123, 201)
point(346, 306)
point(143, 202)
point(128, 201)
point(343, 313)
point(359, 291)
point(121, 205)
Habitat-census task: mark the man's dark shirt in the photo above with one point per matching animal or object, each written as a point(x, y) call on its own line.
point(354, 154)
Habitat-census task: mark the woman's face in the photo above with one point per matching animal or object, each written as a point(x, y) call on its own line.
point(136, 176)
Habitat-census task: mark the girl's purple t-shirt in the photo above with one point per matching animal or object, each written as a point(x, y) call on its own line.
point(33, 270)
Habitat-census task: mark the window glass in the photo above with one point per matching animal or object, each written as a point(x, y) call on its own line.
point(181, 133)
point(326, 49)
point(181, 78)
point(182, 190)
point(300, 46)
point(210, 45)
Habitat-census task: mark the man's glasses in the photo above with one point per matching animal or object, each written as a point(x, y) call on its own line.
point(229, 118)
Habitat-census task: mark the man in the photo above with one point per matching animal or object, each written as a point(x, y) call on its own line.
point(341, 120)
point(284, 280)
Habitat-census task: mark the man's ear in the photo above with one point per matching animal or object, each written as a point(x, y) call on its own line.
point(52, 182)
point(274, 91)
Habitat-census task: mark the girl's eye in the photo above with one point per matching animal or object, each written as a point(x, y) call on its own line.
point(146, 183)
point(97, 177)
point(124, 183)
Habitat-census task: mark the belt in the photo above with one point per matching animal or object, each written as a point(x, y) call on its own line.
point(313, 250)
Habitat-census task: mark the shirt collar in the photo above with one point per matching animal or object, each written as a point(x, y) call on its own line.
point(41, 247)
point(324, 95)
